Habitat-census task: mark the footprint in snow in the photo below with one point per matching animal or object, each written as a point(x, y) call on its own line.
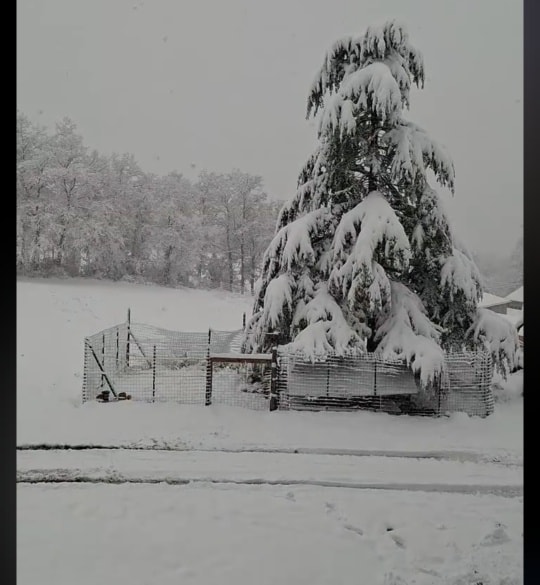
point(354, 529)
point(498, 536)
point(400, 541)
point(331, 509)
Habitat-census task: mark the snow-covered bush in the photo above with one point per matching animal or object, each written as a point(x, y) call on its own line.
point(364, 255)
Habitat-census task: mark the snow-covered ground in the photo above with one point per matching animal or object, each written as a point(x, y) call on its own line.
point(228, 514)
point(54, 316)
point(211, 534)
point(242, 468)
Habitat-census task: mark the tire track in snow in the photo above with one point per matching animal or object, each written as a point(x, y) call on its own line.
point(56, 476)
point(439, 455)
point(244, 468)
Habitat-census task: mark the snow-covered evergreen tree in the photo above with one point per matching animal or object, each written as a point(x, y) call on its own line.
point(364, 256)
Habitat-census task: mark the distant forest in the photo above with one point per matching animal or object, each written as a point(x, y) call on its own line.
point(81, 213)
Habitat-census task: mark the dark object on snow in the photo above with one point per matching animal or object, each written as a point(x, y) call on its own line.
point(255, 377)
point(103, 396)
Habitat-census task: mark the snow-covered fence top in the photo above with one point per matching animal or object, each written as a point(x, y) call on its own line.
point(155, 364)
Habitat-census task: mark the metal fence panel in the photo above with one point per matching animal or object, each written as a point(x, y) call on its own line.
point(153, 364)
point(156, 365)
point(241, 384)
point(466, 385)
point(368, 381)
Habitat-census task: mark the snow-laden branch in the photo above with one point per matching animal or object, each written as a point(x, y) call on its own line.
point(499, 336)
point(278, 296)
point(371, 88)
point(378, 291)
point(373, 84)
point(407, 333)
point(460, 274)
point(414, 152)
point(388, 44)
point(361, 232)
point(293, 242)
point(326, 329)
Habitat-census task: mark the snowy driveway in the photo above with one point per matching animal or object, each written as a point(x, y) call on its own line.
point(145, 466)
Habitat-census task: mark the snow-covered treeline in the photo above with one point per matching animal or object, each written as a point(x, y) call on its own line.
point(80, 213)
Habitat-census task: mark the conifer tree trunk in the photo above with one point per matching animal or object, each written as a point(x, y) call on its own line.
point(252, 274)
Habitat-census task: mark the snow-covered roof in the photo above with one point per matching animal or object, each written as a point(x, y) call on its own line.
point(489, 300)
point(517, 295)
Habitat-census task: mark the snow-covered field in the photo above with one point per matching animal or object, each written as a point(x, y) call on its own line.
point(218, 494)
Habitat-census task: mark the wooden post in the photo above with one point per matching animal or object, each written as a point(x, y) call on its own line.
point(274, 396)
point(117, 346)
point(154, 375)
point(128, 336)
point(244, 321)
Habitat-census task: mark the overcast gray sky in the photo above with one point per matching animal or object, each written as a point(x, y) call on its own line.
point(223, 83)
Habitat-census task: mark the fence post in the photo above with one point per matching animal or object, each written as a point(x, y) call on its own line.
point(128, 336)
point(485, 364)
point(85, 372)
point(117, 346)
point(273, 380)
point(244, 321)
point(208, 395)
point(327, 382)
point(439, 387)
point(154, 375)
point(102, 357)
point(375, 381)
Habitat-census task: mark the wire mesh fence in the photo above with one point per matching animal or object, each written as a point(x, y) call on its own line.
point(239, 380)
point(142, 362)
point(345, 382)
point(466, 385)
point(368, 381)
